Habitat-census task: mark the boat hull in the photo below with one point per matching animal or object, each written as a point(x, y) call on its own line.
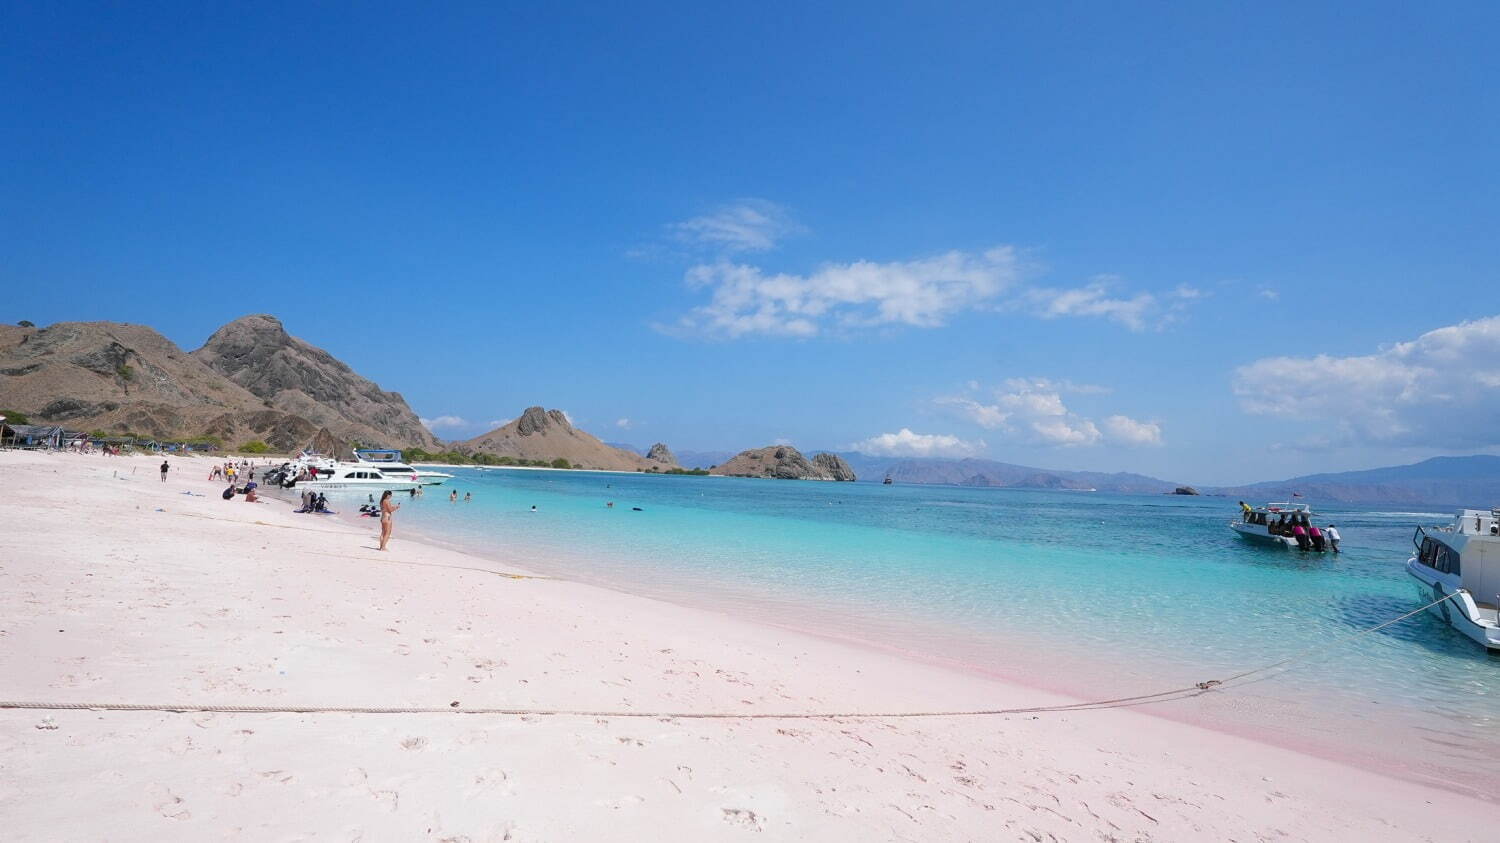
point(1459, 612)
point(355, 485)
point(1257, 533)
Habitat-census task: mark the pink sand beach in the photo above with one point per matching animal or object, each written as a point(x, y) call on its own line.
point(118, 588)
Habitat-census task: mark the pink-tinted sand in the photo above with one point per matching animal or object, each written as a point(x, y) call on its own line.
point(122, 589)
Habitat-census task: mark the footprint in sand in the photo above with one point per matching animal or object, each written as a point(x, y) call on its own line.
point(388, 799)
point(164, 802)
point(744, 818)
point(414, 743)
point(622, 802)
point(492, 782)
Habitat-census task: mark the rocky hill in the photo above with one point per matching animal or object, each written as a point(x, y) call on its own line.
point(784, 462)
point(122, 378)
point(542, 434)
point(834, 466)
point(662, 454)
point(295, 377)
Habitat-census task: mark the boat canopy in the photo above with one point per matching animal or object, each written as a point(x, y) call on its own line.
point(1283, 506)
point(377, 454)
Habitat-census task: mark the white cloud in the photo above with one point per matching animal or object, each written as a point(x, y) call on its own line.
point(1440, 390)
point(1033, 411)
point(1137, 312)
point(781, 440)
point(1092, 300)
point(493, 423)
point(749, 225)
point(1128, 431)
point(623, 424)
point(905, 443)
point(1268, 293)
point(434, 424)
point(922, 293)
point(1048, 384)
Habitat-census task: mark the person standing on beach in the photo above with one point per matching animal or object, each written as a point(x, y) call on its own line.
point(387, 517)
point(164, 468)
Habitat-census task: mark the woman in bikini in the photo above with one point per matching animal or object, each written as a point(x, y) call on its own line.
point(388, 509)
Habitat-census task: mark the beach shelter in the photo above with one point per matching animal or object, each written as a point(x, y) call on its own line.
point(35, 436)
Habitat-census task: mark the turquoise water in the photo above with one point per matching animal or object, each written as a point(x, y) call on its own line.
point(1088, 593)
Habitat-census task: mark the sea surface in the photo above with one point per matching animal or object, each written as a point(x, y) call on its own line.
point(1091, 594)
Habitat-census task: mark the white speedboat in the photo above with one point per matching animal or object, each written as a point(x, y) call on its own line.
point(318, 473)
point(1276, 524)
point(389, 463)
point(1462, 562)
point(354, 476)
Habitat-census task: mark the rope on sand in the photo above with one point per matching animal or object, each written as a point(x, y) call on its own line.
point(1185, 692)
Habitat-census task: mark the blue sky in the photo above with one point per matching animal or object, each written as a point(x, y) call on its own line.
point(1072, 235)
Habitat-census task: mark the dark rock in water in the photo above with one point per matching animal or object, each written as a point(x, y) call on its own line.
point(1186, 490)
point(662, 454)
point(834, 466)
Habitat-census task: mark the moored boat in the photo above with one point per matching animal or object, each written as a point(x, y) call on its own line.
point(318, 473)
point(1462, 563)
point(389, 463)
point(1279, 524)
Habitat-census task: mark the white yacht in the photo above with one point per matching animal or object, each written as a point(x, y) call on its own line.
point(1275, 524)
point(318, 473)
point(1462, 562)
point(389, 463)
point(354, 476)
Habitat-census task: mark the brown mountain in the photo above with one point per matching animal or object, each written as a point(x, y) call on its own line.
point(128, 378)
point(541, 434)
point(784, 462)
point(256, 353)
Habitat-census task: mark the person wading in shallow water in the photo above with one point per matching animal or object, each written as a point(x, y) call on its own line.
point(388, 509)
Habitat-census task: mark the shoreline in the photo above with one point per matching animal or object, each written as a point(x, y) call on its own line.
point(225, 606)
point(1208, 712)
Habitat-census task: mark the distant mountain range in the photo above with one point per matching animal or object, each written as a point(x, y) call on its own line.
point(989, 473)
point(1440, 481)
point(253, 380)
point(1472, 481)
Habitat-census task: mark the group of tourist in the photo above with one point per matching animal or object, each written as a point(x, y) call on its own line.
point(232, 471)
point(1297, 526)
point(313, 502)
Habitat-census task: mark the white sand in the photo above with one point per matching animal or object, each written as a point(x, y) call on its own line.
point(105, 599)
